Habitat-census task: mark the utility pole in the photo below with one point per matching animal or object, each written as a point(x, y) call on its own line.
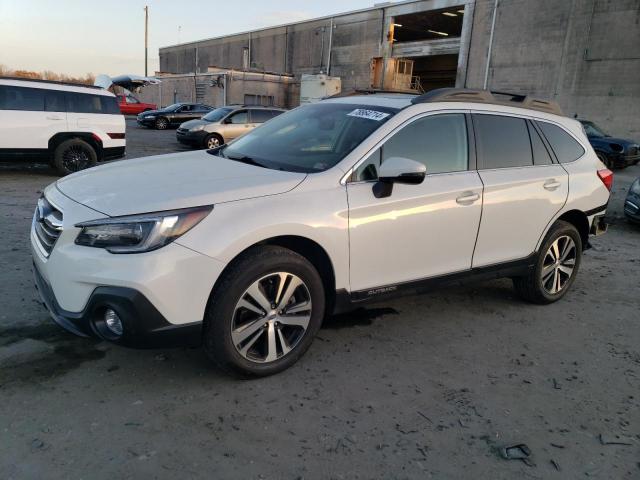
point(146, 38)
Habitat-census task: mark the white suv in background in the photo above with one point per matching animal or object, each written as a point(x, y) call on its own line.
point(73, 126)
point(247, 247)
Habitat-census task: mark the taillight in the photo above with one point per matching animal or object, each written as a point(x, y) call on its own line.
point(606, 176)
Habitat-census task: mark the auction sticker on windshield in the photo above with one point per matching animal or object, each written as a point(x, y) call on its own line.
point(368, 114)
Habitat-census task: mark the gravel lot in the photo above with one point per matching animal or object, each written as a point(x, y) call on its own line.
point(420, 387)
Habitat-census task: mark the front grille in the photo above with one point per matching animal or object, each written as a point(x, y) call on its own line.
point(47, 225)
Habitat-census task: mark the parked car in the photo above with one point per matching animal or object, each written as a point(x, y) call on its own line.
point(247, 247)
point(130, 105)
point(632, 203)
point(72, 126)
point(172, 115)
point(613, 152)
point(224, 124)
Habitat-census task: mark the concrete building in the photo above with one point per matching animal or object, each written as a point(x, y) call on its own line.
point(583, 53)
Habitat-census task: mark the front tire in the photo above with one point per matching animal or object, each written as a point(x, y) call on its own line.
point(162, 123)
point(556, 267)
point(213, 140)
point(73, 155)
point(264, 312)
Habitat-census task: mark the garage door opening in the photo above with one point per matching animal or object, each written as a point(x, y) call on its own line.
point(435, 71)
point(431, 25)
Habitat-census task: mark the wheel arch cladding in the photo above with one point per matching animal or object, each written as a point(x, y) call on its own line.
point(579, 220)
point(88, 137)
point(304, 247)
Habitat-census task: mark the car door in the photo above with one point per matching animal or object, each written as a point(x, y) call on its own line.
point(419, 231)
point(182, 114)
point(523, 187)
point(236, 124)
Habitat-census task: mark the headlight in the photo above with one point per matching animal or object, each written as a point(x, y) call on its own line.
point(635, 187)
point(197, 128)
point(140, 233)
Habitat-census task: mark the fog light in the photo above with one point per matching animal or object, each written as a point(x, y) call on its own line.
point(113, 322)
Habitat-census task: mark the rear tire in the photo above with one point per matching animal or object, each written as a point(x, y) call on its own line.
point(74, 155)
point(243, 332)
point(162, 123)
point(556, 267)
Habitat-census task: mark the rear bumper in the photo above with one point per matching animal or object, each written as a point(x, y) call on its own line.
point(143, 325)
point(113, 152)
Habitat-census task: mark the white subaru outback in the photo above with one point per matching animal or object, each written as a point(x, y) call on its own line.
point(247, 247)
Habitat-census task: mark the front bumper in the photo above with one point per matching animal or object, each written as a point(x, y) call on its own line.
point(191, 138)
point(146, 121)
point(632, 208)
point(170, 286)
point(622, 160)
point(143, 325)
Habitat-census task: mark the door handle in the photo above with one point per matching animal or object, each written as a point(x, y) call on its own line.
point(467, 198)
point(551, 185)
point(53, 117)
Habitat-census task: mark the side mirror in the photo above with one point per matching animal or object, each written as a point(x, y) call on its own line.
point(398, 170)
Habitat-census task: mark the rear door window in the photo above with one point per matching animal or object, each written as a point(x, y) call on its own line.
point(260, 116)
point(502, 142)
point(566, 148)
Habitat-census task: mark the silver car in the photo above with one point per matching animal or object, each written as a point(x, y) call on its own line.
point(224, 124)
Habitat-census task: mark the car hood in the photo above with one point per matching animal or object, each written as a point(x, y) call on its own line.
point(167, 182)
point(152, 112)
point(194, 123)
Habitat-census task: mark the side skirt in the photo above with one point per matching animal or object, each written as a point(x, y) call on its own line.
point(346, 301)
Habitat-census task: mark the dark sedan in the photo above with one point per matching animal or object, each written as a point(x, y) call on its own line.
point(173, 115)
point(613, 152)
point(632, 203)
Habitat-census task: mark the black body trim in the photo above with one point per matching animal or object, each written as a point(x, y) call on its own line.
point(346, 301)
point(144, 326)
point(599, 209)
point(113, 152)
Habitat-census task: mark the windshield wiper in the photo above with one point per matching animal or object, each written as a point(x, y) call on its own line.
point(244, 159)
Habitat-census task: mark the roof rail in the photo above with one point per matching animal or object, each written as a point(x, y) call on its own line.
point(369, 91)
point(486, 96)
point(54, 82)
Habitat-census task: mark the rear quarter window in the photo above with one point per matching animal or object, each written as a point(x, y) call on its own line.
point(566, 148)
point(88, 103)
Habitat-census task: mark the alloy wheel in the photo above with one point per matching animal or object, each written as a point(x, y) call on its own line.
point(558, 264)
point(161, 124)
point(75, 158)
point(213, 142)
point(271, 317)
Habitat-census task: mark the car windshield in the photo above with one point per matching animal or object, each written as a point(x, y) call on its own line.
point(217, 114)
point(309, 139)
point(593, 130)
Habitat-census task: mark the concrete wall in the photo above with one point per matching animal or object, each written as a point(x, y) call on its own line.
point(182, 88)
point(583, 53)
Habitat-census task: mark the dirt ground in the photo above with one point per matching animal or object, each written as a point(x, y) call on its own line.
point(420, 387)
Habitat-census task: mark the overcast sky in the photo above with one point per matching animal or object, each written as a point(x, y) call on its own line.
point(91, 36)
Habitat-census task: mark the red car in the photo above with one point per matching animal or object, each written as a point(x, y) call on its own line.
point(130, 105)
